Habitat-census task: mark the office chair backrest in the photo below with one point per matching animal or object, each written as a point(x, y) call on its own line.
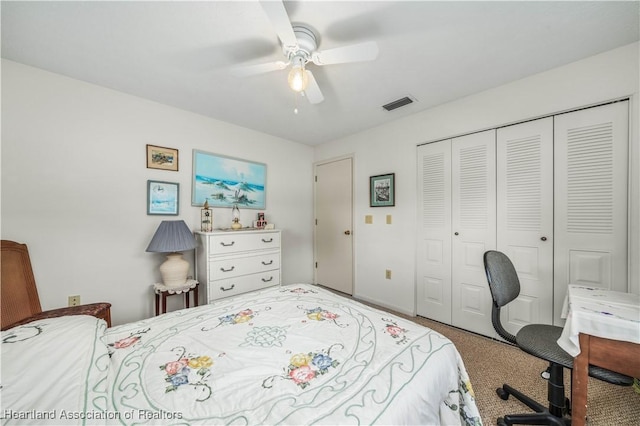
point(504, 286)
point(19, 295)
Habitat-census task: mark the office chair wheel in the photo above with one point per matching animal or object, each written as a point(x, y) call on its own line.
point(546, 374)
point(504, 395)
point(501, 422)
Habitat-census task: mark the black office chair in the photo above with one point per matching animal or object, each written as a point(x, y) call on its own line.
point(539, 340)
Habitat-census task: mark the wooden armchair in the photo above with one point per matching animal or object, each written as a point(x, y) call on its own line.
point(19, 299)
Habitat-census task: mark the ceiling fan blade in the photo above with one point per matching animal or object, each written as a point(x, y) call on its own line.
point(312, 92)
point(278, 16)
point(249, 70)
point(360, 52)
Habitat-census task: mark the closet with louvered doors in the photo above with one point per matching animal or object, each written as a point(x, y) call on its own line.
point(456, 191)
point(524, 187)
point(591, 152)
point(551, 193)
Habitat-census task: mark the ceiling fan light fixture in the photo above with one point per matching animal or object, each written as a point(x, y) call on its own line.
point(298, 79)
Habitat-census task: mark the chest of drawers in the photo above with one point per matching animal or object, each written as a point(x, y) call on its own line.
point(234, 262)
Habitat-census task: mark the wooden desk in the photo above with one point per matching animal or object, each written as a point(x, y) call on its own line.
point(602, 329)
point(163, 292)
point(615, 355)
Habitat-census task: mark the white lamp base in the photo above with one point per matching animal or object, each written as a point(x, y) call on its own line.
point(174, 270)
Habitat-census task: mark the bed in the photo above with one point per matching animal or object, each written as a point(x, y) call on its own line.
point(295, 354)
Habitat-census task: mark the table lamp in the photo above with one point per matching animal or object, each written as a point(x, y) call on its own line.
point(173, 236)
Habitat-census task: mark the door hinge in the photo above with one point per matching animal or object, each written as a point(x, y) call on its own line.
point(316, 265)
point(316, 178)
point(316, 221)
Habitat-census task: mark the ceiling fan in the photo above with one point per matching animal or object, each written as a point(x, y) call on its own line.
point(299, 45)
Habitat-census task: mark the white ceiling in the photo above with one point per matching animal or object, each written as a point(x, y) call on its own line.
point(181, 53)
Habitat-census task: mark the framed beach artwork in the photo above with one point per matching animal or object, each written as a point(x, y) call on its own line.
point(159, 157)
point(382, 190)
point(163, 198)
point(227, 181)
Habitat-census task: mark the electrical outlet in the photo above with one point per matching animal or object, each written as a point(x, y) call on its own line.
point(387, 274)
point(74, 300)
point(368, 219)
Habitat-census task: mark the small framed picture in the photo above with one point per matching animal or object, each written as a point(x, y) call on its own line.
point(159, 157)
point(163, 198)
point(382, 190)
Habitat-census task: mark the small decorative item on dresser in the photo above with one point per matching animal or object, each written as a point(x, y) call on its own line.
point(235, 213)
point(260, 223)
point(206, 218)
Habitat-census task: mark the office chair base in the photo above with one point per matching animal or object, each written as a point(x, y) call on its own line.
point(532, 419)
point(554, 415)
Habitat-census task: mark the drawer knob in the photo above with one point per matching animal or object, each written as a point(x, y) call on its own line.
point(222, 243)
point(270, 240)
point(227, 289)
point(228, 270)
point(267, 263)
point(266, 280)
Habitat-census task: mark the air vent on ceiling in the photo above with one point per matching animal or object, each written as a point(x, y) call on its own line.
point(398, 103)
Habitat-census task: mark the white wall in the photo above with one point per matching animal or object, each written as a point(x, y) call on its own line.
point(74, 177)
point(74, 182)
point(392, 148)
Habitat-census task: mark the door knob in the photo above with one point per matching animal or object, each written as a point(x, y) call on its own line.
point(455, 233)
point(544, 238)
point(347, 232)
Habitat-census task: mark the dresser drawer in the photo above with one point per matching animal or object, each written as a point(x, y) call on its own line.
point(233, 266)
point(232, 286)
point(231, 242)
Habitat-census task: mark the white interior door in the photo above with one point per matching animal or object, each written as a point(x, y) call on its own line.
point(473, 196)
point(433, 261)
point(591, 178)
point(334, 225)
point(525, 218)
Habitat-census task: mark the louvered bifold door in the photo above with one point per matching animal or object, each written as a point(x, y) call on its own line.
point(434, 240)
point(473, 195)
point(525, 218)
point(591, 164)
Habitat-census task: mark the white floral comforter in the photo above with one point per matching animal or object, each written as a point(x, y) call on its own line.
point(285, 355)
point(53, 371)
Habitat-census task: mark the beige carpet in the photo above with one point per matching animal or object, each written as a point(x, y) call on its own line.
point(491, 363)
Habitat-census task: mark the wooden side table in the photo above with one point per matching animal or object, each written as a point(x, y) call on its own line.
point(161, 291)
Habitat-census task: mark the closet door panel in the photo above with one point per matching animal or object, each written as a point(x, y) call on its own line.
point(591, 180)
point(434, 241)
point(525, 217)
point(473, 198)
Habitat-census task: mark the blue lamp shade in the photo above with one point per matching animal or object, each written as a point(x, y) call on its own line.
point(173, 236)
